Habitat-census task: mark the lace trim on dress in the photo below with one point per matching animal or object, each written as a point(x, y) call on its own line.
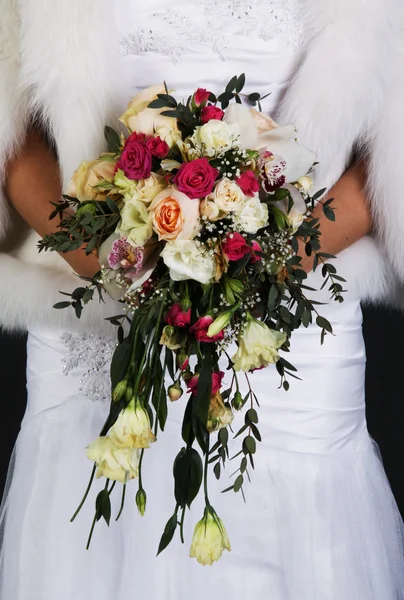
point(173, 33)
point(93, 354)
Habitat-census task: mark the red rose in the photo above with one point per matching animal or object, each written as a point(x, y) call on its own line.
point(201, 97)
point(235, 246)
point(197, 178)
point(200, 330)
point(248, 183)
point(216, 383)
point(177, 317)
point(136, 158)
point(255, 247)
point(211, 112)
point(158, 147)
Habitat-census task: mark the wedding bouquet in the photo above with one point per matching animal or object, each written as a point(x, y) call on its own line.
point(197, 215)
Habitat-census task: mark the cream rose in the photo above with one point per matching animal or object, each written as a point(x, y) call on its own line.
point(210, 210)
point(210, 539)
point(117, 464)
point(135, 222)
point(89, 175)
point(215, 137)
point(257, 346)
point(253, 216)
point(228, 196)
point(132, 429)
point(174, 215)
point(147, 120)
point(187, 260)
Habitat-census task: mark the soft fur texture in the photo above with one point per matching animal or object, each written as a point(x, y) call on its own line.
point(348, 91)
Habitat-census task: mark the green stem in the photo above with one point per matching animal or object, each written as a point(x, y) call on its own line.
point(85, 494)
point(91, 532)
point(122, 502)
point(182, 525)
point(205, 474)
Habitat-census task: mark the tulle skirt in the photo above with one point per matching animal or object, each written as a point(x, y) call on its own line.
point(319, 521)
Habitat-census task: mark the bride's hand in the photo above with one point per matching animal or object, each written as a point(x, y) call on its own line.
point(32, 182)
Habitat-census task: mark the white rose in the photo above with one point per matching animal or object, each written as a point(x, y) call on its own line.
point(210, 210)
point(216, 137)
point(187, 260)
point(138, 117)
point(254, 215)
point(117, 464)
point(168, 133)
point(144, 189)
point(257, 346)
point(228, 196)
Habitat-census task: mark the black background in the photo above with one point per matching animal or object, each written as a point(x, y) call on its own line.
point(384, 335)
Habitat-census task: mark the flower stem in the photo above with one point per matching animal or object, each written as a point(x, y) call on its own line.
point(205, 474)
point(85, 494)
point(182, 524)
point(122, 502)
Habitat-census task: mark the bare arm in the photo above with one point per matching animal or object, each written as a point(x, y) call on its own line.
point(352, 215)
point(32, 182)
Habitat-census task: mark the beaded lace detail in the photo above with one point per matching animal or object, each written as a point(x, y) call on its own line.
point(93, 355)
point(217, 23)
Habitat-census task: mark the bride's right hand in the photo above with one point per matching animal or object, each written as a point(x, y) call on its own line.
point(32, 182)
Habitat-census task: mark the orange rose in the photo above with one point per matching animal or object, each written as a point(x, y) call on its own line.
point(174, 215)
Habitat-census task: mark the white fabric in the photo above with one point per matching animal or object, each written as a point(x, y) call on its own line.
point(320, 521)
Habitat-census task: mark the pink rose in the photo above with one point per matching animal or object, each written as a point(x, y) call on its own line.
point(255, 247)
point(201, 97)
point(217, 378)
point(158, 147)
point(200, 330)
point(211, 112)
point(177, 317)
point(235, 246)
point(196, 179)
point(248, 183)
point(136, 158)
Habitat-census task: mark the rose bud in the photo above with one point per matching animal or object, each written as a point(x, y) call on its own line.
point(175, 391)
point(211, 112)
point(200, 98)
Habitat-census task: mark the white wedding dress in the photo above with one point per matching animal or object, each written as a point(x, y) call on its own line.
point(320, 521)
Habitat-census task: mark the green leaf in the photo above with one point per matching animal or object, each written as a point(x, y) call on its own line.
point(188, 474)
point(113, 139)
point(103, 506)
point(240, 83)
point(322, 322)
point(249, 445)
point(216, 470)
point(168, 534)
point(223, 436)
point(120, 362)
point(238, 483)
point(231, 85)
point(62, 305)
point(252, 415)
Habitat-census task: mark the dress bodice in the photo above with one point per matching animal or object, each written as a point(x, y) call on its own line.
point(191, 43)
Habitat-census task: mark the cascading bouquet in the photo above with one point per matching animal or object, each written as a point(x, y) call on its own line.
point(197, 216)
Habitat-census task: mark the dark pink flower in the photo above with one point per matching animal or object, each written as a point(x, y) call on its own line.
point(211, 112)
point(177, 317)
point(200, 330)
point(217, 378)
point(158, 147)
point(235, 246)
point(196, 178)
point(201, 97)
point(255, 247)
point(248, 183)
point(136, 158)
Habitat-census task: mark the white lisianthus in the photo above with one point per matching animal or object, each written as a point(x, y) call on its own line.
point(298, 211)
point(167, 164)
point(210, 210)
point(210, 539)
point(280, 141)
point(132, 429)
point(254, 215)
point(136, 222)
point(215, 137)
point(228, 196)
point(144, 189)
point(257, 346)
point(168, 133)
point(187, 260)
point(305, 183)
point(117, 464)
point(127, 187)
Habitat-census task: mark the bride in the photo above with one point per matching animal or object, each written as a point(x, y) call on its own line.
point(320, 522)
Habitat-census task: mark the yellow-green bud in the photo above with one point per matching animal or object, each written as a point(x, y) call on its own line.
point(141, 499)
point(175, 391)
point(219, 323)
point(129, 393)
point(238, 401)
point(119, 390)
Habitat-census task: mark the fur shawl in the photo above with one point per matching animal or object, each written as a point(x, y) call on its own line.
point(348, 92)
